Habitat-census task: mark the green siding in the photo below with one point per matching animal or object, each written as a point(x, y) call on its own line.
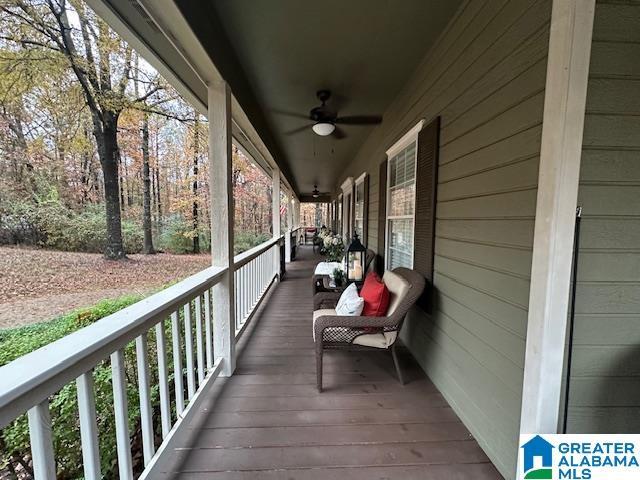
point(605, 380)
point(485, 77)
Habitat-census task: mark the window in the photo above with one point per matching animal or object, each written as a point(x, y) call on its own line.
point(401, 200)
point(334, 214)
point(339, 217)
point(346, 228)
point(360, 206)
point(347, 209)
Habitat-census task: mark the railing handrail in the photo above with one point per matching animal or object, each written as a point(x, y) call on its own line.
point(245, 257)
point(31, 378)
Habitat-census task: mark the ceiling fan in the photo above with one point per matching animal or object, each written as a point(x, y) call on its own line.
point(317, 193)
point(325, 119)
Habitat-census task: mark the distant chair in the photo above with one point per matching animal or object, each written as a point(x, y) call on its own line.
point(309, 233)
point(360, 332)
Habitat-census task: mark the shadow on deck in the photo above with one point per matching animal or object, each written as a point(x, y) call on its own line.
point(269, 422)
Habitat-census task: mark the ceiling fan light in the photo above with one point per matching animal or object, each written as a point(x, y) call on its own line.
point(324, 128)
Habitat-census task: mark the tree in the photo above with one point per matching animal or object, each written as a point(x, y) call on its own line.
point(102, 67)
point(88, 126)
point(196, 155)
point(146, 215)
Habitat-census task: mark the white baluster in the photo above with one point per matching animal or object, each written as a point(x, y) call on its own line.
point(199, 344)
point(163, 383)
point(177, 363)
point(146, 413)
point(120, 409)
point(207, 329)
point(254, 284)
point(188, 345)
point(236, 286)
point(88, 426)
point(246, 291)
point(243, 295)
point(44, 463)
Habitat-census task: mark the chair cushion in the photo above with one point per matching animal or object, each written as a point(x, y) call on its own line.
point(320, 313)
point(347, 334)
point(377, 340)
point(350, 302)
point(398, 288)
point(375, 295)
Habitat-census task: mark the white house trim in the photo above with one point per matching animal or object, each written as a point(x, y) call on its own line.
point(347, 185)
point(561, 149)
point(409, 137)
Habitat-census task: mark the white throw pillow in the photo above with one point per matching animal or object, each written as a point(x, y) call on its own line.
point(350, 302)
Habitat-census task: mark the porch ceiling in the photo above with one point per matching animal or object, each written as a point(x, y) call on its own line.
point(276, 54)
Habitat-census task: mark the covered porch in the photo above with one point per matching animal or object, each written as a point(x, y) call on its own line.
point(483, 125)
point(268, 420)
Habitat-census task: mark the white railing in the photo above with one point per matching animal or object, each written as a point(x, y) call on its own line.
point(253, 275)
point(182, 312)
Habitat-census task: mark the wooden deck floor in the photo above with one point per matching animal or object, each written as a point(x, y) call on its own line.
point(268, 421)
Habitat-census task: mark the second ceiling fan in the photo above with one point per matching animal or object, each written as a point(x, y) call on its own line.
point(325, 119)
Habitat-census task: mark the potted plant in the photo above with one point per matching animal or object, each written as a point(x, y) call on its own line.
point(334, 248)
point(338, 276)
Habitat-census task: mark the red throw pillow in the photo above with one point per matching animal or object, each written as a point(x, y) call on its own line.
point(376, 296)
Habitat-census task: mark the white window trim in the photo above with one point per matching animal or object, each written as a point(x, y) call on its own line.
point(347, 191)
point(347, 214)
point(347, 185)
point(407, 139)
point(359, 181)
point(339, 214)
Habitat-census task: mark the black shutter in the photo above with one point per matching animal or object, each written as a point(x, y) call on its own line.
point(425, 210)
point(382, 216)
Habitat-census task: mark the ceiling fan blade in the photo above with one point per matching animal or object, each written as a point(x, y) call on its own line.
point(338, 133)
point(298, 130)
point(359, 120)
point(290, 114)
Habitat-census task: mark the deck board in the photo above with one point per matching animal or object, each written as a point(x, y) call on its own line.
point(269, 422)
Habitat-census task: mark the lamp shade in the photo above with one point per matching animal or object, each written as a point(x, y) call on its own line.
point(324, 128)
point(355, 260)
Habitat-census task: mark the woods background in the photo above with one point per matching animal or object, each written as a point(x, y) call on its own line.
point(97, 152)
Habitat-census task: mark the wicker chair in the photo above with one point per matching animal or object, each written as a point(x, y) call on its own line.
point(317, 279)
point(309, 233)
point(331, 331)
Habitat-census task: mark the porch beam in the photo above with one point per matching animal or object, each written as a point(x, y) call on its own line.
point(221, 194)
point(561, 149)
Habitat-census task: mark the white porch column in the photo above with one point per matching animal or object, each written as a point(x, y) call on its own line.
point(563, 121)
point(287, 238)
point(275, 213)
point(220, 171)
point(296, 218)
point(297, 213)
